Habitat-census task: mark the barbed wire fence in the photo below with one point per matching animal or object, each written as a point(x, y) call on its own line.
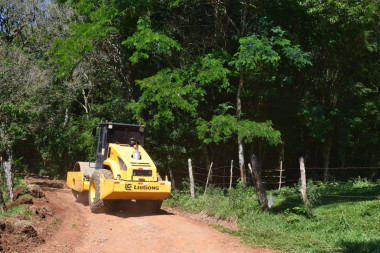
point(220, 176)
point(228, 176)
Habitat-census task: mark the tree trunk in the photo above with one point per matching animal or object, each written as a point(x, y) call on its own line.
point(241, 162)
point(240, 140)
point(172, 178)
point(303, 186)
point(2, 203)
point(254, 184)
point(241, 32)
point(8, 174)
point(259, 183)
point(66, 118)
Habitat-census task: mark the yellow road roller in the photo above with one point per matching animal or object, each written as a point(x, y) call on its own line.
point(123, 170)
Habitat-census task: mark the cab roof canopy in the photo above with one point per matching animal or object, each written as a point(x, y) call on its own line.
point(122, 133)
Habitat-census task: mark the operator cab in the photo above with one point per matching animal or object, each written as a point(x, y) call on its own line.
point(118, 133)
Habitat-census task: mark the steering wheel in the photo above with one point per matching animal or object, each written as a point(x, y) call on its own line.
point(132, 141)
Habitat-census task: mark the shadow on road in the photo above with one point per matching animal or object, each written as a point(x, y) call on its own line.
point(136, 213)
point(127, 209)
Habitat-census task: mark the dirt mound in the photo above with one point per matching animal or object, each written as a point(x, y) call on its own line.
point(35, 191)
point(31, 189)
point(16, 235)
point(42, 211)
point(17, 192)
point(18, 202)
point(58, 184)
point(35, 224)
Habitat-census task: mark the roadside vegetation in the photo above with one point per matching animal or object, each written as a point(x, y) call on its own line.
point(18, 183)
point(344, 217)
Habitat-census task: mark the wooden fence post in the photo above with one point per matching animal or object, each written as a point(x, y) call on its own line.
point(303, 182)
point(208, 177)
point(232, 163)
point(192, 194)
point(171, 177)
point(259, 183)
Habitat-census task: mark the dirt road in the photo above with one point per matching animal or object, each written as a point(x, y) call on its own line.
point(79, 230)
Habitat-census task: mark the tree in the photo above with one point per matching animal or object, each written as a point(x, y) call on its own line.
point(339, 59)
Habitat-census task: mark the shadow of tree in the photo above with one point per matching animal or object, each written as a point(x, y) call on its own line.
point(326, 195)
point(370, 246)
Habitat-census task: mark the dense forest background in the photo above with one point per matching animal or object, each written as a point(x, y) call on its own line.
point(212, 80)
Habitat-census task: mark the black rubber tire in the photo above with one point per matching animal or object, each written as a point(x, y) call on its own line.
point(98, 205)
point(148, 206)
point(80, 197)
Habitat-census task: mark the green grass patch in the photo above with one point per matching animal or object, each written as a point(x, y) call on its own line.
point(57, 221)
point(18, 182)
point(223, 229)
point(343, 218)
point(14, 211)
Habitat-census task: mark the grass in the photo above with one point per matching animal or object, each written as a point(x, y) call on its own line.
point(18, 182)
point(343, 217)
point(13, 212)
point(57, 221)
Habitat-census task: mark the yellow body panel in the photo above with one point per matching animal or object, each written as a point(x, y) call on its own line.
point(75, 180)
point(115, 189)
point(86, 185)
point(119, 152)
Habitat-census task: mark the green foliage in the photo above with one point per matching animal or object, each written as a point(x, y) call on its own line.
point(97, 23)
point(79, 134)
point(168, 90)
point(145, 42)
point(212, 70)
point(220, 128)
point(248, 130)
point(254, 50)
point(259, 49)
point(318, 119)
point(224, 127)
point(18, 181)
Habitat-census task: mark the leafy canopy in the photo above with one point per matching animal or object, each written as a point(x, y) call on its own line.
point(145, 42)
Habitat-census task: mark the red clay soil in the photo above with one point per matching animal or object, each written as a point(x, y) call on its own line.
point(16, 192)
point(18, 202)
point(68, 226)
